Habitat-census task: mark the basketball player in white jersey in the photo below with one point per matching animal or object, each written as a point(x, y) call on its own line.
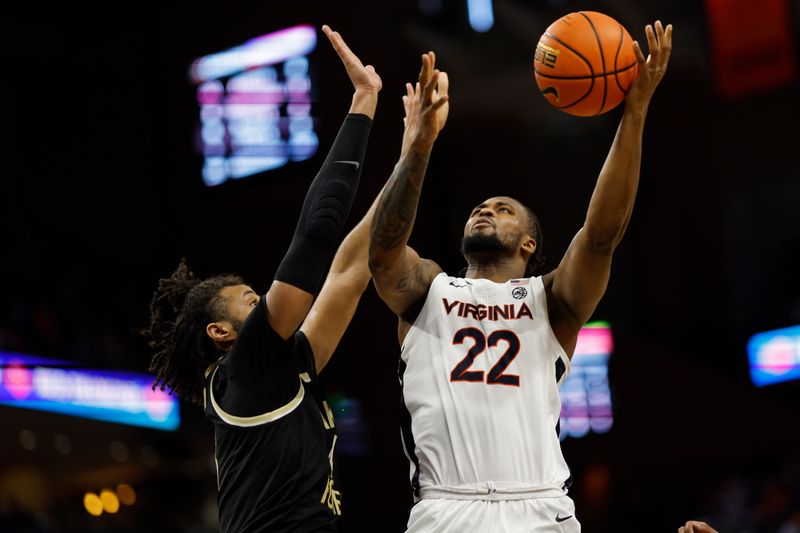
point(482, 356)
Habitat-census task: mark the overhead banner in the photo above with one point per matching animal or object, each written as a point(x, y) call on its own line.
point(255, 105)
point(752, 45)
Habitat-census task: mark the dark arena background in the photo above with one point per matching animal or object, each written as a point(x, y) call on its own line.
point(114, 166)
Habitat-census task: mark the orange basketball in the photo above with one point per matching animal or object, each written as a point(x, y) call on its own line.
point(585, 63)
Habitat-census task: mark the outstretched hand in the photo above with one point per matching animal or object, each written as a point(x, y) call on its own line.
point(652, 69)
point(426, 104)
point(693, 526)
point(363, 78)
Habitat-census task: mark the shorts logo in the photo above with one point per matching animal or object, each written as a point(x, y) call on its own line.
point(559, 518)
point(519, 293)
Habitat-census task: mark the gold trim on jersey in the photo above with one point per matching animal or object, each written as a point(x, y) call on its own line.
point(331, 496)
point(250, 421)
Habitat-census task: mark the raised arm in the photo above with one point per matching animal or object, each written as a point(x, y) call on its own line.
point(327, 202)
point(401, 277)
point(346, 282)
point(577, 284)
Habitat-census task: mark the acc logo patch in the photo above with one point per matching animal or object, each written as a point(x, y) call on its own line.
point(519, 293)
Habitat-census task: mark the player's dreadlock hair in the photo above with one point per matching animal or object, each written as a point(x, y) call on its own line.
point(182, 307)
point(536, 260)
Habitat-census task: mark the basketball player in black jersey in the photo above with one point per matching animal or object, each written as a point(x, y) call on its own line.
point(216, 342)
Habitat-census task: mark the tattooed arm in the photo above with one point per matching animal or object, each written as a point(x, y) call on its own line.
point(401, 277)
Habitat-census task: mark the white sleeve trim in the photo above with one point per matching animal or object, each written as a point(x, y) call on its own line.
point(250, 421)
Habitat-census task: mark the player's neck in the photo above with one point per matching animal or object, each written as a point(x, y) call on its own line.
point(498, 270)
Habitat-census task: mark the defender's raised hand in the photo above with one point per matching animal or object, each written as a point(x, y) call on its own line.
point(651, 70)
point(363, 78)
point(427, 105)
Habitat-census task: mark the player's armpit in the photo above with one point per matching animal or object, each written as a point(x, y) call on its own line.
point(405, 282)
point(403, 327)
point(575, 288)
point(287, 306)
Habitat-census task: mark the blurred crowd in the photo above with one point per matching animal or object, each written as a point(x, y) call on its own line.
point(764, 500)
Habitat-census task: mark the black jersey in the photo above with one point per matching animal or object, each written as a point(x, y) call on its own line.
point(274, 436)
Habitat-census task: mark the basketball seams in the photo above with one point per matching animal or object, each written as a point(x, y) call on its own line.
point(588, 64)
point(602, 59)
point(571, 49)
point(550, 76)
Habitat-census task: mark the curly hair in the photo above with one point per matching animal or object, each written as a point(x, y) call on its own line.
point(182, 307)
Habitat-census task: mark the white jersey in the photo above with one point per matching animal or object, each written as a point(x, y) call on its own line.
point(480, 370)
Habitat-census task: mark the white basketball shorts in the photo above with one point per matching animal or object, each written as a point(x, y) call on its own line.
point(536, 515)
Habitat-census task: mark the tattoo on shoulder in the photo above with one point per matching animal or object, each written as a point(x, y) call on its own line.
point(417, 277)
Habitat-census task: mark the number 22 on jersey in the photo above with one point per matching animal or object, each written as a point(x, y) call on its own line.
point(496, 376)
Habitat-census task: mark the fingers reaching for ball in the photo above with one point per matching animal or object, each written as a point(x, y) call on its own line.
point(694, 526)
point(653, 67)
point(425, 104)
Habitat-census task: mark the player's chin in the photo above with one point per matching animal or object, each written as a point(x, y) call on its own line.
point(483, 228)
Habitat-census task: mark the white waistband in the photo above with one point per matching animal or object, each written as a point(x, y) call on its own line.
point(490, 491)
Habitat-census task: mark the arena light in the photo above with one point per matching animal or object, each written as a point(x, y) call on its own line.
point(93, 504)
point(41, 384)
point(481, 15)
point(585, 394)
point(126, 494)
point(258, 52)
point(774, 356)
point(109, 500)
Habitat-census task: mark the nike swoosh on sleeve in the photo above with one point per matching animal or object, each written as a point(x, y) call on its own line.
point(355, 163)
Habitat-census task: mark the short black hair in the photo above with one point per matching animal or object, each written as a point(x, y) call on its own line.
point(537, 259)
point(182, 307)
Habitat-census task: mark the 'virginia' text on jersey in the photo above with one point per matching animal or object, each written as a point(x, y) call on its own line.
point(487, 312)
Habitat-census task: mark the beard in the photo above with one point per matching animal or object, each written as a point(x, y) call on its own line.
point(235, 322)
point(482, 243)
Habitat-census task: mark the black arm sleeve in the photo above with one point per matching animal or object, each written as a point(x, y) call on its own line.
point(326, 207)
